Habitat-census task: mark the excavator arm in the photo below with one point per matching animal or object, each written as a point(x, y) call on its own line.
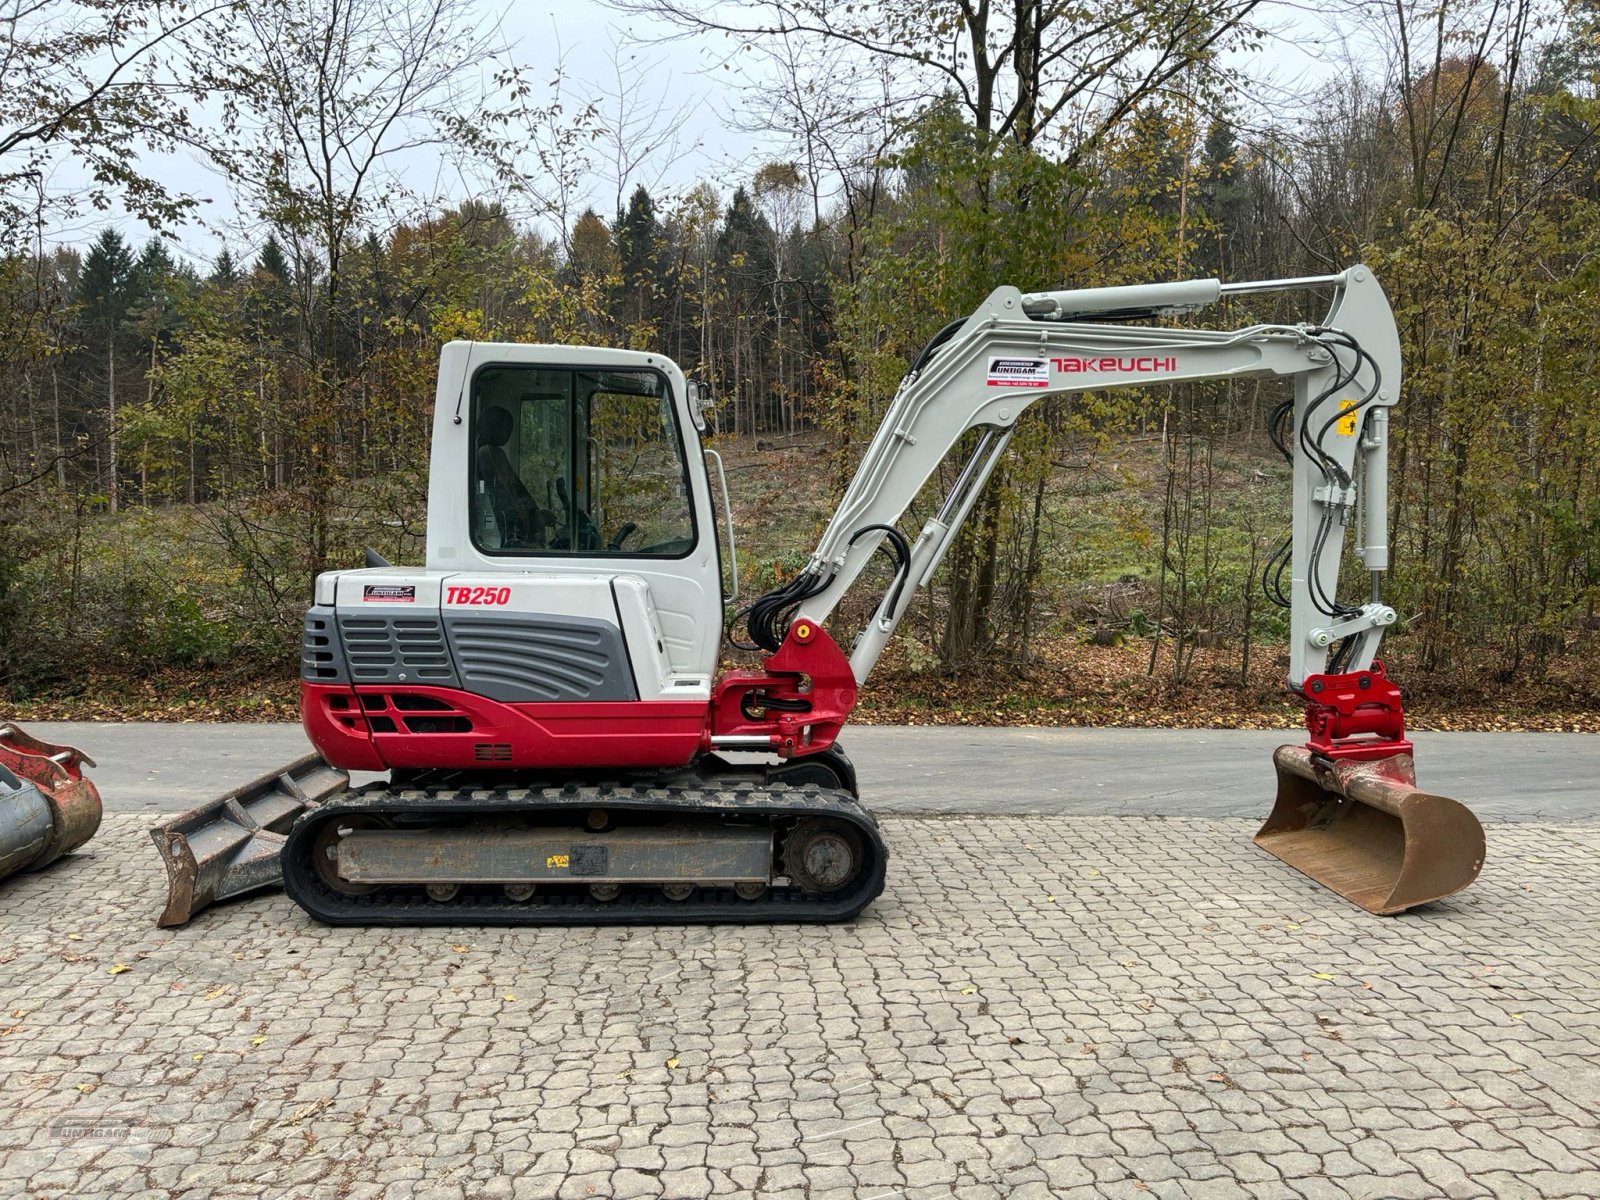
point(1349, 813)
point(1017, 349)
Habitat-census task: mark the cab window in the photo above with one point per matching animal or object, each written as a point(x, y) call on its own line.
point(578, 462)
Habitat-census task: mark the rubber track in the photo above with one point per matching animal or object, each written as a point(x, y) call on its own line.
point(638, 905)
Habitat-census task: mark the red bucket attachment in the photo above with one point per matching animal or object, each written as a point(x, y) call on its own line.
point(1366, 831)
point(53, 811)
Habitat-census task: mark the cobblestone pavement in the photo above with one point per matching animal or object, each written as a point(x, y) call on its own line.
point(1037, 1007)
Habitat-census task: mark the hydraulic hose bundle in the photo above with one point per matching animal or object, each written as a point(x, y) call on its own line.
point(1333, 474)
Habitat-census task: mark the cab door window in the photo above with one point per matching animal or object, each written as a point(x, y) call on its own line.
point(578, 462)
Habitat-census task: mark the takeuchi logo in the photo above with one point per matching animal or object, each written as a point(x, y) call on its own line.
point(1132, 365)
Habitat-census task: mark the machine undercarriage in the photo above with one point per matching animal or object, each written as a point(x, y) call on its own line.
point(590, 853)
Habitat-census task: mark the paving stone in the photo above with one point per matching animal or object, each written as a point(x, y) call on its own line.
point(964, 1038)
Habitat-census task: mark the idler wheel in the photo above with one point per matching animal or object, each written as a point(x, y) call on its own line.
point(823, 855)
point(325, 853)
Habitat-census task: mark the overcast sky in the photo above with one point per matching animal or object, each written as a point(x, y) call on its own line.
point(588, 41)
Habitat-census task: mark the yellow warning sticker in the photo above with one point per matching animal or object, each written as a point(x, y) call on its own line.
point(1347, 425)
point(555, 860)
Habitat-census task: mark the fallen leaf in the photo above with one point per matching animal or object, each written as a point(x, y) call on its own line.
point(1126, 962)
point(1322, 975)
point(1366, 987)
point(258, 1039)
point(967, 991)
point(672, 1062)
point(74, 937)
point(1516, 1016)
point(216, 991)
point(300, 1114)
point(118, 969)
point(1533, 858)
point(1217, 1077)
point(1091, 872)
point(509, 996)
point(1291, 925)
point(1050, 899)
point(459, 949)
point(200, 1057)
point(19, 1013)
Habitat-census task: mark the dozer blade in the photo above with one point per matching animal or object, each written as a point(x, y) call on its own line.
point(230, 845)
point(1365, 830)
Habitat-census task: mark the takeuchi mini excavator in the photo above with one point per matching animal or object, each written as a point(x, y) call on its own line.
point(543, 697)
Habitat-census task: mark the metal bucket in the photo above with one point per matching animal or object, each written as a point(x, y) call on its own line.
point(47, 807)
point(1366, 831)
point(230, 845)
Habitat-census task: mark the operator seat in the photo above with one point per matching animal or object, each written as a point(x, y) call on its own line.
point(522, 522)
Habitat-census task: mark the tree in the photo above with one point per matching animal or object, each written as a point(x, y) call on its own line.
point(322, 137)
point(639, 244)
point(99, 84)
point(105, 291)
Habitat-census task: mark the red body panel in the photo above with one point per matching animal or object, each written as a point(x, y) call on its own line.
point(373, 727)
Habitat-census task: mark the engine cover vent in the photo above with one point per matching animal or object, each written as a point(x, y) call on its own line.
point(396, 649)
point(522, 658)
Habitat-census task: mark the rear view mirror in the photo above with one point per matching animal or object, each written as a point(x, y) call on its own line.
point(700, 402)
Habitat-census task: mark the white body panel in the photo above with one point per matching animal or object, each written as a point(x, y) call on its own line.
point(624, 601)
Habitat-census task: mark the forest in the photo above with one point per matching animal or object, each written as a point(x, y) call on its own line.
point(186, 442)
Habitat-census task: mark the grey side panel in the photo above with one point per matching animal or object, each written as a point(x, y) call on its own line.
point(321, 656)
point(395, 648)
point(520, 658)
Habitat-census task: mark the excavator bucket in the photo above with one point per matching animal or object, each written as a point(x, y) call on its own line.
point(1366, 831)
point(47, 806)
point(230, 845)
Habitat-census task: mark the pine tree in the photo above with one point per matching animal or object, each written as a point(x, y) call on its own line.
point(104, 293)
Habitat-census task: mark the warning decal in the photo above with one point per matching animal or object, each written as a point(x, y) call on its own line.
point(1347, 425)
point(388, 593)
point(1018, 372)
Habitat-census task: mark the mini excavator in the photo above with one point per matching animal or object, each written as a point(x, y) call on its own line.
point(543, 698)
